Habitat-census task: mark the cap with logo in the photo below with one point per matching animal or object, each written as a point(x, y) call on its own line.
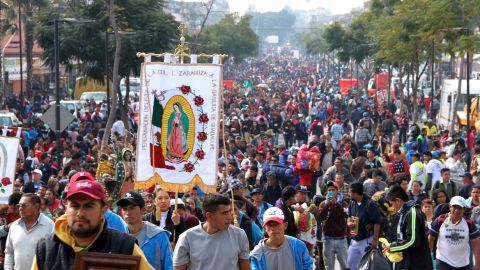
point(82, 176)
point(273, 214)
point(92, 189)
point(131, 197)
point(459, 201)
point(300, 188)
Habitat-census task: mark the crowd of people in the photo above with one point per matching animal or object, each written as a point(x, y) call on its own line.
point(307, 178)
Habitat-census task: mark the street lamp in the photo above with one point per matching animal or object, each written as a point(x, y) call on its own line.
point(57, 78)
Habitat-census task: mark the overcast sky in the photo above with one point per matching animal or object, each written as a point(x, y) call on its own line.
point(336, 6)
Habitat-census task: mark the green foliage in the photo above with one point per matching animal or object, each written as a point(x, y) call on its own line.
point(401, 32)
point(232, 36)
point(274, 23)
point(313, 42)
point(84, 44)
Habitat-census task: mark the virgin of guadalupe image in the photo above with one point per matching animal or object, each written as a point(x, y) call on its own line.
point(177, 134)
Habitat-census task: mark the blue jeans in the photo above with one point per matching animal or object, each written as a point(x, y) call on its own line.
point(356, 251)
point(332, 246)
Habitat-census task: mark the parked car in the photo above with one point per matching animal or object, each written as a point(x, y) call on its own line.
point(8, 119)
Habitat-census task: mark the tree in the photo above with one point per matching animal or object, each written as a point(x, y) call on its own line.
point(232, 36)
point(116, 63)
point(30, 10)
point(152, 28)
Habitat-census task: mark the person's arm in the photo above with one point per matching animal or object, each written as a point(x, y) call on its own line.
point(165, 252)
point(476, 253)
point(181, 254)
point(429, 185)
point(374, 216)
point(244, 264)
point(256, 233)
point(407, 167)
point(413, 173)
point(431, 241)
point(244, 255)
point(410, 236)
point(307, 261)
point(9, 255)
point(4, 230)
point(323, 213)
point(376, 234)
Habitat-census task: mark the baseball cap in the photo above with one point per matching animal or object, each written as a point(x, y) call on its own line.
point(92, 189)
point(458, 200)
point(236, 184)
point(300, 188)
point(396, 145)
point(435, 154)
point(256, 191)
point(82, 176)
point(131, 197)
point(38, 171)
point(273, 214)
point(467, 174)
point(332, 184)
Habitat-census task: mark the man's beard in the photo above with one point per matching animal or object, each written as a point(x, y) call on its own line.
point(84, 232)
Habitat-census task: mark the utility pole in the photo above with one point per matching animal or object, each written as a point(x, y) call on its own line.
point(21, 51)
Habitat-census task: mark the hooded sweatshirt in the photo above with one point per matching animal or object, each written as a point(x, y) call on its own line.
point(156, 247)
point(301, 259)
point(63, 233)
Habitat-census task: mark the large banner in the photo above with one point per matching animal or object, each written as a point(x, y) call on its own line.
point(8, 161)
point(178, 130)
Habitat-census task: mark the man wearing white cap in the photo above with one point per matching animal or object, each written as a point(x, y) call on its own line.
point(34, 185)
point(279, 251)
point(453, 232)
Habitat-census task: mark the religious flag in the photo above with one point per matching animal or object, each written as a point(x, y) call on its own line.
point(178, 130)
point(8, 161)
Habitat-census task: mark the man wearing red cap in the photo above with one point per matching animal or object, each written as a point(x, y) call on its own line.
point(83, 229)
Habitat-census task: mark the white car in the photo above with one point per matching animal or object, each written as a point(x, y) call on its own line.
point(72, 105)
point(8, 119)
point(98, 97)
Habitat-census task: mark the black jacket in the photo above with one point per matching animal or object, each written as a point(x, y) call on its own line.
point(413, 242)
point(52, 253)
point(175, 231)
point(272, 194)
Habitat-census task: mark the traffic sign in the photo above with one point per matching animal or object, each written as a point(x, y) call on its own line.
point(65, 118)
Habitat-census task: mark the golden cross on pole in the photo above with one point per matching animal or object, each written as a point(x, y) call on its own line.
point(182, 49)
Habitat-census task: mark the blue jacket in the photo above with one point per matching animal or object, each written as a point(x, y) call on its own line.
point(156, 247)
point(299, 251)
point(115, 222)
point(256, 231)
